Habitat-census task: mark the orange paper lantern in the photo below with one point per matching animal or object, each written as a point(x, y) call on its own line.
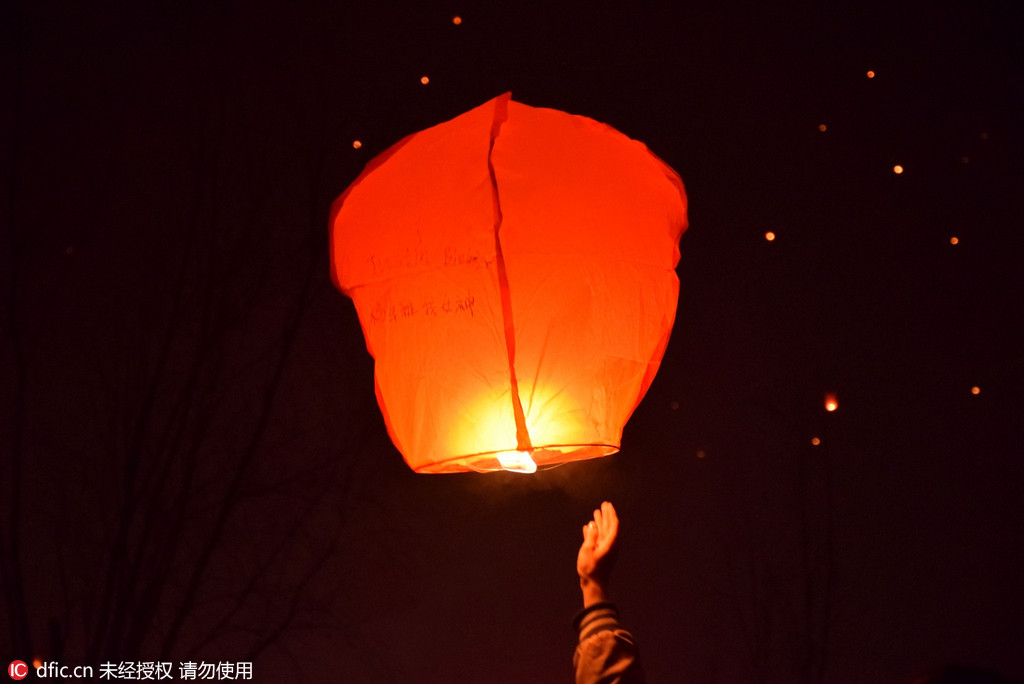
point(513, 272)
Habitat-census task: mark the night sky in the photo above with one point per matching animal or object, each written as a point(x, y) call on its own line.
point(194, 466)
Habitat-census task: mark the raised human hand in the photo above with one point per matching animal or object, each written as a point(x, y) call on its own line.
point(597, 554)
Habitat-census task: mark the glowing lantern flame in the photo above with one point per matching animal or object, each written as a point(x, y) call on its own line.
point(514, 274)
point(830, 403)
point(516, 461)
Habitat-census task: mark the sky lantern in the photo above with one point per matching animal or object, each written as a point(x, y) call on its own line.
point(513, 270)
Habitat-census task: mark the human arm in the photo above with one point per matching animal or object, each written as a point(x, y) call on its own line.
point(606, 652)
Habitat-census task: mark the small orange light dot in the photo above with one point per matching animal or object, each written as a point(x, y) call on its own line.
point(822, 127)
point(424, 80)
point(815, 441)
point(357, 144)
point(769, 236)
point(700, 453)
point(830, 403)
point(975, 390)
point(954, 240)
point(456, 20)
point(871, 74)
point(897, 169)
point(37, 663)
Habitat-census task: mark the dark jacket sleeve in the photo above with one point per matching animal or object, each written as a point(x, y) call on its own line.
point(606, 652)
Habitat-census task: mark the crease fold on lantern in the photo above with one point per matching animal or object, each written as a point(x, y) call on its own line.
point(514, 274)
point(523, 444)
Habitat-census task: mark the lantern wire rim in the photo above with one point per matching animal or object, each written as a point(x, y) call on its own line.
point(546, 457)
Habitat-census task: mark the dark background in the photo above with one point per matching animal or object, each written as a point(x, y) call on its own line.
point(193, 463)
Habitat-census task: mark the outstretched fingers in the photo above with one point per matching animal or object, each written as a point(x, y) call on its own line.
point(609, 520)
point(608, 527)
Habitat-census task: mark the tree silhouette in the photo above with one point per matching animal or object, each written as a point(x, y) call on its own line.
point(179, 462)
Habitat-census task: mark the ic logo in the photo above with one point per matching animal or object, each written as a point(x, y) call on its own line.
point(17, 669)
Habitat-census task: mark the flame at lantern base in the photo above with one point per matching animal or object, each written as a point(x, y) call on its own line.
point(516, 461)
point(486, 436)
point(541, 458)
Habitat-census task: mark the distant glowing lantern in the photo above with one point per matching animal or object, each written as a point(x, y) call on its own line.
point(513, 272)
point(831, 404)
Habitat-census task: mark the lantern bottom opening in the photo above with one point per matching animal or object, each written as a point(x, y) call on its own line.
point(543, 457)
